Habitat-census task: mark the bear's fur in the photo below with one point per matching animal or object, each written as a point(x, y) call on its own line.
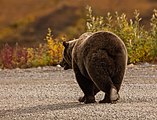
point(99, 61)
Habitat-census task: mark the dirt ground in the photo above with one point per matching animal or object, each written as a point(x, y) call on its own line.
point(50, 93)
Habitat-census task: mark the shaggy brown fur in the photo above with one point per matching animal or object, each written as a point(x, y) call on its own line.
point(99, 61)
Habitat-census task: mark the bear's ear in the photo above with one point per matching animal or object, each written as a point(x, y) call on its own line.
point(65, 44)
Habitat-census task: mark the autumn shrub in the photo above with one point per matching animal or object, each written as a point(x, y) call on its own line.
point(141, 44)
point(46, 54)
point(13, 57)
point(55, 48)
point(38, 56)
point(19, 57)
point(6, 57)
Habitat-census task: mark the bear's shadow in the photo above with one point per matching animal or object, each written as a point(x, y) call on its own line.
point(54, 107)
point(41, 108)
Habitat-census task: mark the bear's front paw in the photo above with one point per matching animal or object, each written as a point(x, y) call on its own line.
point(86, 100)
point(89, 99)
point(82, 99)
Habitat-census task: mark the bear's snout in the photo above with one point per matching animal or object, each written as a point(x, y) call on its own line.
point(64, 65)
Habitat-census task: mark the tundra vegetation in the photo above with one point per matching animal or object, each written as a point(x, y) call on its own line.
point(141, 43)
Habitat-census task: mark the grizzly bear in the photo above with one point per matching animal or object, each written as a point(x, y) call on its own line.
point(99, 61)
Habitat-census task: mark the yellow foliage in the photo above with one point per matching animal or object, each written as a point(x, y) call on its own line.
point(55, 47)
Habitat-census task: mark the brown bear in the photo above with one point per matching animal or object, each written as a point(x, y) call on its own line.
point(99, 61)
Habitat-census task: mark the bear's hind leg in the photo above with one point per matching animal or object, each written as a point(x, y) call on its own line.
point(98, 70)
point(112, 97)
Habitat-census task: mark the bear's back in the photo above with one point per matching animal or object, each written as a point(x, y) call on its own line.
point(101, 41)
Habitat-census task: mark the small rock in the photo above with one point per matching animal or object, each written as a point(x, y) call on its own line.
point(58, 66)
point(131, 65)
point(39, 67)
point(146, 64)
point(17, 68)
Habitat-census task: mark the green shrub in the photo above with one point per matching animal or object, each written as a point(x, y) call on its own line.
point(154, 33)
point(141, 44)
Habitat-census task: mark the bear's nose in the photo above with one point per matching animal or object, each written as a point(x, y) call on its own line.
point(62, 63)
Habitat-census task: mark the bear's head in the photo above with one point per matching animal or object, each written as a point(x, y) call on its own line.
point(64, 64)
point(67, 59)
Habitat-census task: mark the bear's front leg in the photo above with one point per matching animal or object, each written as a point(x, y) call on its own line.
point(96, 90)
point(87, 87)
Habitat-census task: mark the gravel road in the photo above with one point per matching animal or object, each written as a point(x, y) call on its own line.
point(50, 93)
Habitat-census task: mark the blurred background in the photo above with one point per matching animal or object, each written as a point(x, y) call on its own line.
point(27, 21)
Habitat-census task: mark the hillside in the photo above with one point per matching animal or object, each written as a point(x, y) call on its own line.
point(26, 22)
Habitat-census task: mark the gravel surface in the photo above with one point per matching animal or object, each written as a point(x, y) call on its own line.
point(50, 93)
